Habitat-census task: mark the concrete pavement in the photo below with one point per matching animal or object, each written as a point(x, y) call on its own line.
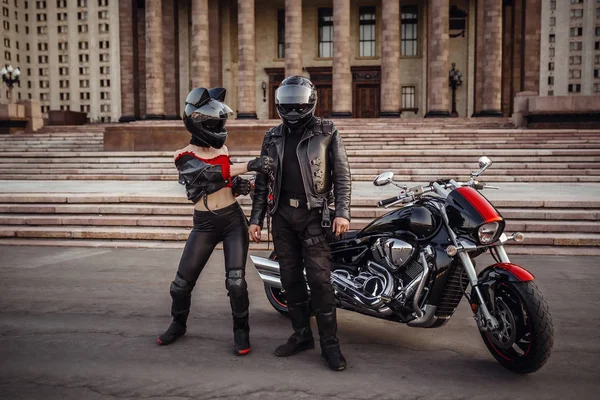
point(80, 323)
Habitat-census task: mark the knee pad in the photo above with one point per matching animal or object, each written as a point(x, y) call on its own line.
point(180, 287)
point(238, 292)
point(236, 282)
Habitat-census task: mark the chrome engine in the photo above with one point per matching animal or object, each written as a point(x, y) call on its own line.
point(395, 274)
point(392, 253)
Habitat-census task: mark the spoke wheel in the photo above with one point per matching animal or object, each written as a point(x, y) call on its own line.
point(524, 339)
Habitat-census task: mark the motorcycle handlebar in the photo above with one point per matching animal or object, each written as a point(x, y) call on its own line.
point(382, 203)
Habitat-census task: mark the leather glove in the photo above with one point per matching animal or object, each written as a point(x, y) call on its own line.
point(240, 186)
point(262, 165)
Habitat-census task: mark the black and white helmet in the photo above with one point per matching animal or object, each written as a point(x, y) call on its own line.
point(296, 100)
point(205, 115)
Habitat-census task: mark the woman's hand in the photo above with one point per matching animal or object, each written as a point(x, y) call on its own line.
point(262, 165)
point(254, 232)
point(240, 186)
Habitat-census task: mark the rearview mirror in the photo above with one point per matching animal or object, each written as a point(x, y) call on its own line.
point(383, 178)
point(484, 163)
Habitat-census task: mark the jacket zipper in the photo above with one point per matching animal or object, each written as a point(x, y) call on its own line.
point(301, 170)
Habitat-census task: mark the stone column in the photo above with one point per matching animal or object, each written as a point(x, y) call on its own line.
point(342, 77)
point(127, 11)
point(390, 59)
point(247, 61)
point(293, 37)
point(200, 70)
point(170, 60)
point(492, 59)
point(155, 96)
point(437, 57)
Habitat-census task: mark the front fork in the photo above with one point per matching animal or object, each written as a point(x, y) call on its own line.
point(488, 322)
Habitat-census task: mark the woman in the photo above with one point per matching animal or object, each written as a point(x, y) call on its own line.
point(205, 170)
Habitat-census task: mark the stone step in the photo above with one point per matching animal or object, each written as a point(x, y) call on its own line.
point(25, 164)
point(185, 209)
point(464, 155)
point(120, 176)
point(181, 234)
point(178, 221)
point(105, 199)
point(371, 172)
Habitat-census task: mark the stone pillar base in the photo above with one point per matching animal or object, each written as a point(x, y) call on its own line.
point(488, 113)
point(341, 114)
point(249, 115)
point(389, 114)
point(127, 118)
point(437, 114)
point(10, 111)
point(154, 116)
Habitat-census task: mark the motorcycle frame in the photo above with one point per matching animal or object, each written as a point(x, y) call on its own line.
point(426, 316)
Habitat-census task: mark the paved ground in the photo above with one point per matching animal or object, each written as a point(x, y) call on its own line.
point(81, 324)
point(513, 191)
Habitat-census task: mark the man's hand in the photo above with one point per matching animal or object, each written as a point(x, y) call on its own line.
point(254, 232)
point(340, 225)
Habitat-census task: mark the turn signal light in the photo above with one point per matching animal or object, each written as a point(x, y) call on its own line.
point(451, 250)
point(518, 237)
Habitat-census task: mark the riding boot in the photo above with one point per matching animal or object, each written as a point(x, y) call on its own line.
point(241, 335)
point(330, 346)
point(302, 338)
point(176, 329)
point(181, 293)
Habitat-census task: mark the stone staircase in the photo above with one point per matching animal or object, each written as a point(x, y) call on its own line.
point(415, 150)
point(105, 220)
point(55, 138)
point(415, 156)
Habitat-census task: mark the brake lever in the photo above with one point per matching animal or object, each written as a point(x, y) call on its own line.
point(394, 203)
point(491, 187)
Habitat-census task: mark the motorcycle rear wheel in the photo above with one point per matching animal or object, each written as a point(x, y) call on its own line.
point(276, 296)
point(524, 341)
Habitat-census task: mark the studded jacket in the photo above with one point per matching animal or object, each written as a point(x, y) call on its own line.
point(323, 163)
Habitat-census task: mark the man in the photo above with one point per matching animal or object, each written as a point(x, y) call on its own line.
point(310, 161)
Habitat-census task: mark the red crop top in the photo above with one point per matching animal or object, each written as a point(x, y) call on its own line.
point(223, 160)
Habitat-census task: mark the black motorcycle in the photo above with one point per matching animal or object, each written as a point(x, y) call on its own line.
point(413, 265)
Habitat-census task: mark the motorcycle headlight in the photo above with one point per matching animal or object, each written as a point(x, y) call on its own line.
point(487, 232)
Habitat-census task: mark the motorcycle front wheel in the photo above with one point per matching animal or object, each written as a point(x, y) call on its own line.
point(524, 340)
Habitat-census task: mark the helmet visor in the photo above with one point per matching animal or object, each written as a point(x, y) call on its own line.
point(214, 109)
point(292, 94)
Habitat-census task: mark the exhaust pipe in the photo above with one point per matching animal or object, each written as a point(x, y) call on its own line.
point(347, 287)
point(268, 270)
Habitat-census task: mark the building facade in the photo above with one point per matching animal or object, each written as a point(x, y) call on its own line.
point(68, 53)
point(136, 59)
point(368, 58)
point(570, 49)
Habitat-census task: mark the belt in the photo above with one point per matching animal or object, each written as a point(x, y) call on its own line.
point(294, 202)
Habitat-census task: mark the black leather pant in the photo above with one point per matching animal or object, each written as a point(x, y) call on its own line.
point(300, 243)
point(228, 225)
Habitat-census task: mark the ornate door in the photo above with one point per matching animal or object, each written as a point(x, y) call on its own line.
point(324, 101)
point(367, 101)
point(366, 84)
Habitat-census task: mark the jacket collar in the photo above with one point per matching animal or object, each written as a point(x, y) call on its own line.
point(281, 129)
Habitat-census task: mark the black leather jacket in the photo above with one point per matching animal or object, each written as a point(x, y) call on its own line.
point(199, 177)
point(323, 163)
